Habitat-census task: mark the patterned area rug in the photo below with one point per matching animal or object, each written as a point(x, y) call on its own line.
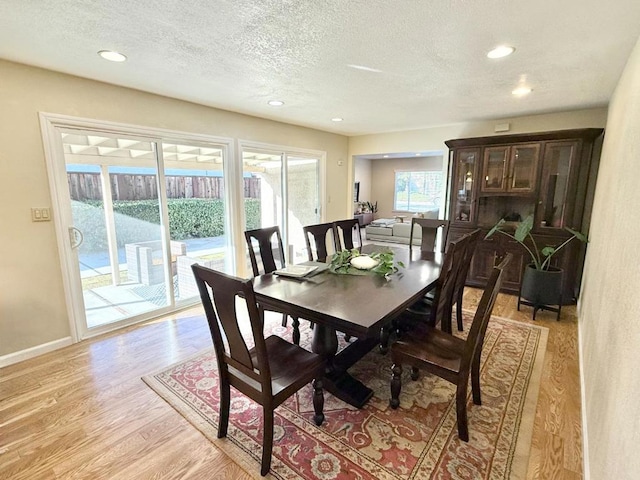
point(417, 441)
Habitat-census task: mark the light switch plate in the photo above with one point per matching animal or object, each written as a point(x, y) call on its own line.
point(42, 214)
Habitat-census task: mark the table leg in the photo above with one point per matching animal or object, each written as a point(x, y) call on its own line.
point(337, 380)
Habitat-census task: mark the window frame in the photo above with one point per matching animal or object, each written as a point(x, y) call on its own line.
point(434, 193)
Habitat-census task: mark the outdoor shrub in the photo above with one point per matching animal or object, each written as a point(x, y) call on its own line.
point(138, 221)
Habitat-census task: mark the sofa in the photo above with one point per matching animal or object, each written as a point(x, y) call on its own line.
point(396, 231)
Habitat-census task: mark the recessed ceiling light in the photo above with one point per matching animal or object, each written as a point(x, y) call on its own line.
point(336, 119)
point(112, 56)
point(276, 103)
point(520, 91)
point(501, 51)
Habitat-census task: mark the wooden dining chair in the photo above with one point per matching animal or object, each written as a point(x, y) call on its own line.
point(270, 257)
point(344, 232)
point(438, 308)
point(446, 356)
point(318, 233)
point(461, 277)
point(429, 229)
point(432, 311)
point(268, 373)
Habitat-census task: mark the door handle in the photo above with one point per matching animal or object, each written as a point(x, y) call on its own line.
point(76, 238)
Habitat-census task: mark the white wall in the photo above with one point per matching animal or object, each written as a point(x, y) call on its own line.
point(432, 139)
point(362, 174)
point(32, 304)
point(383, 179)
point(609, 309)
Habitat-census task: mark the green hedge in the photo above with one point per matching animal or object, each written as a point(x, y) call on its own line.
point(138, 221)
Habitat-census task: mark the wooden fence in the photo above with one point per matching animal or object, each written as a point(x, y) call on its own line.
point(87, 186)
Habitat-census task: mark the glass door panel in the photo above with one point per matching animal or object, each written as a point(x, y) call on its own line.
point(465, 168)
point(281, 189)
point(558, 163)
point(524, 166)
point(113, 185)
point(494, 170)
point(194, 178)
point(263, 198)
point(303, 206)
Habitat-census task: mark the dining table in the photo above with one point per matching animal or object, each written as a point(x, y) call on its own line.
point(357, 305)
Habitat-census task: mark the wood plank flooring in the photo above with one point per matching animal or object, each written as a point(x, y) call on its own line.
point(83, 412)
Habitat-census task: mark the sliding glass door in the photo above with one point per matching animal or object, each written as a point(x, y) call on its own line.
point(135, 208)
point(142, 212)
point(281, 188)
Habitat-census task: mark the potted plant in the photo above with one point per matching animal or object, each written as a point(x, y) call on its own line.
point(541, 282)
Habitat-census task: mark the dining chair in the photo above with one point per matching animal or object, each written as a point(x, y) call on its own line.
point(461, 277)
point(271, 257)
point(268, 373)
point(437, 309)
point(344, 232)
point(433, 311)
point(429, 229)
point(321, 246)
point(319, 233)
point(452, 358)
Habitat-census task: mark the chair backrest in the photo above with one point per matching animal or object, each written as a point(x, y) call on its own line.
point(320, 245)
point(265, 240)
point(344, 231)
point(478, 329)
point(443, 299)
point(235, 361)
point(466, 262)
point(429, 228)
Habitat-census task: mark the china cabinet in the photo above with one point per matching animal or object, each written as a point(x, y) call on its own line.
point(549, 175)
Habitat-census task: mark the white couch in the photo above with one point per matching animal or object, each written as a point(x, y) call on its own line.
point(392, 230)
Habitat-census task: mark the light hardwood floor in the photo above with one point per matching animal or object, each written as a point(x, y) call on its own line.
point(84, 412)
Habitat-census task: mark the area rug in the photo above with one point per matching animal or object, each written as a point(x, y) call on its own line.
point(417, 441)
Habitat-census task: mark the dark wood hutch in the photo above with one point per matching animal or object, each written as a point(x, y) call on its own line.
point(550, 175)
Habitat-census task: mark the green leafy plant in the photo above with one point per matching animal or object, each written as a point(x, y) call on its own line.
point(139, 220)
point(341, 263)
point(369, 207)
point(539, 258)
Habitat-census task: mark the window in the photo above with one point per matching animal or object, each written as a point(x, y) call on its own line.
point(417, 191)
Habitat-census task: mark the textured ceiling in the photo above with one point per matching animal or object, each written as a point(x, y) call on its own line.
point(427, 58)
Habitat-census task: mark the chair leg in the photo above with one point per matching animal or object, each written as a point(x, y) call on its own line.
point(414, 373)
point(296, 330)
point(284, 319)
point(396, 385)
point(318, 401)
point(267, 439)
point(225, 401)
point(461, 410)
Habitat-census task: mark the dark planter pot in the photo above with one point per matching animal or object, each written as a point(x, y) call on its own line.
point(541, 289)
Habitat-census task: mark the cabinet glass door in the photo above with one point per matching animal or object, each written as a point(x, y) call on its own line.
point(494, 172)
point(554, 207)
point(465, 173)
point(523, 168)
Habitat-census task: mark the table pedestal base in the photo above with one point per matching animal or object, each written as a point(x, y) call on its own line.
point(338, 381)
point(346, 388)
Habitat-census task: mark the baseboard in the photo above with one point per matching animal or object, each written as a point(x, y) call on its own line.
point(32, 352)
point(586, 475)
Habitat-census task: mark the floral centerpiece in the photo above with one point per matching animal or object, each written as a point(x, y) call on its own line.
point(352, 262)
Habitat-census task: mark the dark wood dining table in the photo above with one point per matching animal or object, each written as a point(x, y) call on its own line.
point(358, 305)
